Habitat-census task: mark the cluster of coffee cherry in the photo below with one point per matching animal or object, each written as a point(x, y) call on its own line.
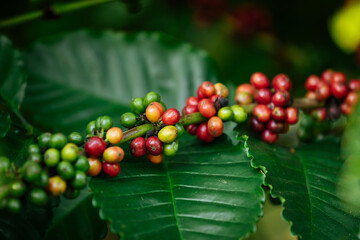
point(212, 103)
point(273, 112)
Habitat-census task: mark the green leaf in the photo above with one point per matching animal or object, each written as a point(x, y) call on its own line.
point(305, 179)
point(76, 77)
point(76, 219)
point(5, 122)
point(206, 191)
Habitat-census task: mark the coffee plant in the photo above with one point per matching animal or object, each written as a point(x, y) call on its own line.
point(136, 135)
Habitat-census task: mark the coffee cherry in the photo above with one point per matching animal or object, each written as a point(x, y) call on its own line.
point(199, 94)
point(319, 114)
point(282, 82)
point(170, 149)
point(151, 97)
point(71, 193)
point(95, 146)
point(128, 119)
point(202, 133)
point(69, 152)
point(322, 91)
point(221, 89)
point(275, 127)
point(51, 157)
point(94, 167)
point(65, 170)
point(291, 115)
point(103, 122)
point(137, 105)
point(263, 96)
point(4, 164)
point(32, 148)
point(17, 188)
point(259, 80)
point(207, 89)
point(312, 82)
point(38, 197)
point(346, 109)
point(354, 85)
point(225, 114)
point(281, 98)
point(57, 186)
point(326, 75)
point(156, 159)
point(91, 128)
point(180, 129)
point(215, 126)
point(82, 164)
point(240, 115)
point(171, 116)
point(57, 140)
point(269, 136)
point(338, 77)
point(43, 180)
point(154, 145)
point(243, 98)
point(193, 101)
point(13, 205)
point(215, 98)
point(190, 109)
point(310, 95)
point(44, 140)
point(168, 134)
point(80, 180)
point(206, 108)
point(262, 113)
point(35, 157)
point(351, 98)
point(191, 129)
point(111, 169)
point(245, 88)
point(114, 135)
point(278, 114)
point(338, 90)
point(76, 138)
point(113, 154)
point(137, 147)
point(154, 111)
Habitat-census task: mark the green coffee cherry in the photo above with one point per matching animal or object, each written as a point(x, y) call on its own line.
point(170, 149)
point(103, 122)
point(91, 128)
point(76, 138)
point(65, 170)
point(57, 140)
point(69, 152)
point(32, 148)
point(13, 205)
point(4, 164)
point(51, 157)
point(307, 122)
point(17, 188)
point(240, 114)
point(151, 97)
point(38, 197)
point(35, 157)
point(225, 114)
point(137, 105)
point(31, 171)
point(305, 134)
point(44, 140)
point(82, 164)
point(80, 180)
point(43, 180)
point(71, 193)
point(128, 119)
point(180, 129)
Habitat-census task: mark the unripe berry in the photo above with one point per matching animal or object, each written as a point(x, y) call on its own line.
point(310, 95)
point(168, 134)
point(156, 159)
point(221, 89)
point(269, 136)
point(312, 82)
point(262, 113)
point(113, 154)
point(114, 135)
point(259, 80)
point(154, 111)
point(291, 115)
point(57, 186)
point(282, 82)
point(319, 114)
point(244, 98)
point(245, 88)
point(263, 96)
point(94, 167)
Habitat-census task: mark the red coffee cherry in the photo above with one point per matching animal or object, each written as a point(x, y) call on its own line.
point(221, 89)
point(245, 88)
point(191, 129)
point(346, 109)
point(193, 101)
point(338, 77)
point(243, 98)
point(322, 91)
point(291, 115)
point(312, 82)
point(203, 134)
point(354, 85)
point(95, 146)
point(262, 113)
point(200, 94)
point(259, 80)
point(207, 89)
point(278, 113)
point(138, 147)
point(281, 98)
point(282, 82)
point(190, 109)
point(171, 116)
point(275, 127)
point(111, 169)
point(94, 167)
point(263, 96)
point(338, 89)
point(206, 108)
point(215, 126)
point(352, 98)
point(319, 114)
point(154, 145)
point(256, 125)
point(213, 98)
point(269, 136)
point(326, 75)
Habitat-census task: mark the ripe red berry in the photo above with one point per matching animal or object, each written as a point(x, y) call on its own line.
point(346, 109)
point(95, 146)
point(207, 89)
point(191, 129)
point(291, 115)
point(221, 89)
point(213, 98)
point(319, 114)
point(352, 98)
point(154, 145)
point(171, 116)
point(354, 85)
point(243, 98)
point(256, 125)
point(282, 82)
point(263, 96)
point(310, 95)
point(245, 88)
point(111, 169)
point(326, 75)
point(203, 134)
point(281, 98)
point(215, 126)
point(206, 108)
point(338, 77)
point(278, 114)
point(262, 113)
point(190, 109)
point(338, 89)
point(322, 91)
point(194, 101)
point(259, 80)
point(269, 136)
point(137, 147)
point(311, 82)
point(275, 127)
point(200, 94)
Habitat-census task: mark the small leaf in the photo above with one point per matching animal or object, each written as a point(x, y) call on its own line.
point(5, 123)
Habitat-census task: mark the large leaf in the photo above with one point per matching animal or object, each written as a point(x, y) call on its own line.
point(207, 191)
point(4, 123)
point(306, 179)
point(76, 77)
